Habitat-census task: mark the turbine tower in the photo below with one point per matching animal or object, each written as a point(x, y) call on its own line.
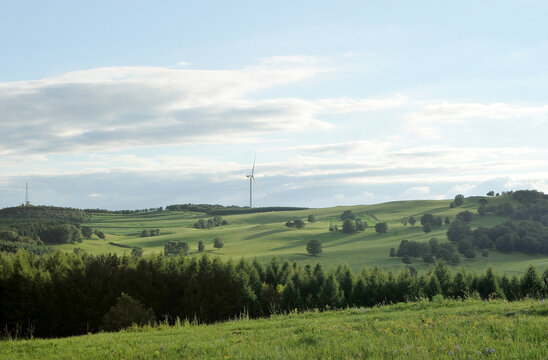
point(251, 179)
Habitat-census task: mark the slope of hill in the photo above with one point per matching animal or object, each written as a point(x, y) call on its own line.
point(440, 329)
point(264, 235)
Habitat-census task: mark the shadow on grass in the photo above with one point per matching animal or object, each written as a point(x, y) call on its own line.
point(265, 233)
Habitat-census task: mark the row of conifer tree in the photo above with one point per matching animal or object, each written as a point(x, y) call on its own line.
point(62, 294)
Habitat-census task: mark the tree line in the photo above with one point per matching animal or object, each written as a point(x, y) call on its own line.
point(228, 210)
point(527, 236)
point(63, 294)
point(429, 251)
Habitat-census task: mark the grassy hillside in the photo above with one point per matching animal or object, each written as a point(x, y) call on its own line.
point(263, 235)
point(437, 330)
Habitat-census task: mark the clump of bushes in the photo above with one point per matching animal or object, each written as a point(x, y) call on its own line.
point(210, 223)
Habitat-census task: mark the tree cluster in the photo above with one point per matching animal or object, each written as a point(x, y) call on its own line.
point(350, 224)
point(175, 248)
point(210, 223)
point(12, 242)
point(430, 222)
point(527, 236)
point(71, 294)
point(151, 232)
point(429, 251)
point(66, 215)
point(532, 205)
point(298, 224)
point(459, 200)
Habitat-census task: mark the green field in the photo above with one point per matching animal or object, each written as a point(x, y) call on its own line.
point(442, 329)
point(263, 235)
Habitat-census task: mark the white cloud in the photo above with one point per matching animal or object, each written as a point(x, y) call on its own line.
point(460, 111)
point(364, 147)
point(346, 105)
point(432, 118)
point(540, 185)
point(465, 189)
point(422, 190)
point(296, 59)
point(123, 107)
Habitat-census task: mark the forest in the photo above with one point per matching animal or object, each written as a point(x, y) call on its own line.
point(63, 294)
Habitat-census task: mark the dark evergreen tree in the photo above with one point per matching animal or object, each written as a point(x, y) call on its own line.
point(330, 293)
point(531, 284)
point(125, 312)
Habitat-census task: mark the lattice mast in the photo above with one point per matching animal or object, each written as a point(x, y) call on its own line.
point(27, 202)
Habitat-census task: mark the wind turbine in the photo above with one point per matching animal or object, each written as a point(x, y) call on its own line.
point(251, 179)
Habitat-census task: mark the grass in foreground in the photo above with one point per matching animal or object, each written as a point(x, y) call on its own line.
point(442, 329)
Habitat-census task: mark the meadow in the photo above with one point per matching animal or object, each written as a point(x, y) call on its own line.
point(263, 235)
point(440, 329)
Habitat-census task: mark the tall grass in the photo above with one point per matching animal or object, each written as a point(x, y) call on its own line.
point(441, 329)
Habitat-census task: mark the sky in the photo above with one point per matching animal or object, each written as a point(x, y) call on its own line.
point(140, 104)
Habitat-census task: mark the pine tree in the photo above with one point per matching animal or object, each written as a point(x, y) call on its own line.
point(330, 294)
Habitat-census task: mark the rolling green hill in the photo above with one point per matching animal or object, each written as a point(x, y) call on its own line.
point(264, 235)
point(441, 329)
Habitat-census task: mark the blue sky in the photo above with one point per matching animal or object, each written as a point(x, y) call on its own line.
point(134, 104)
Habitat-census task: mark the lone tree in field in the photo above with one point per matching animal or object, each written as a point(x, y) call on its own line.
point(201, 246)
point(412, 221)
point(311, 219)
point(314, 247)
point(348, 226)
point(347, 215)
point(459, 200)
point(381, 227)
point(218, 243)
point(299, 224)
point(137, 251)
point(360, 225)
